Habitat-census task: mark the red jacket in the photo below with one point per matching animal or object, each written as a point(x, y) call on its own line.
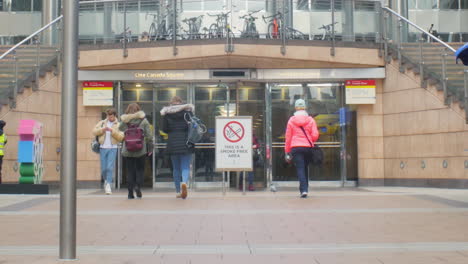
point(294, 135)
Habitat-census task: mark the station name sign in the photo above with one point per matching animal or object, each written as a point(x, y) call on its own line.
point(159, 75)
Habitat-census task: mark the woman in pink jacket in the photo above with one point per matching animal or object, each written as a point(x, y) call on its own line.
point(301, 133)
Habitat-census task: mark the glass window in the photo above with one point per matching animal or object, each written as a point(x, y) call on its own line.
point(464, 4)
point(256, 5)
point(146, 95)
point(21, 5)
point(213, 5)
point(326, 4)
point(364, 5)
point(129, 95)
point(191, 5)
point(448, 4)
point(302, 5)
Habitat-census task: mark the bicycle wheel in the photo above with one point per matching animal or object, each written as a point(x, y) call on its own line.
point(213, 31)
point(270, 31)
point(152, 32)
point(253, 31)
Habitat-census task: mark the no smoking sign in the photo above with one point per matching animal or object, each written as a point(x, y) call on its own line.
point(233, 131)
point(234, 143)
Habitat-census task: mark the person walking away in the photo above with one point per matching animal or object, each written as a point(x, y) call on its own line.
point(301, 134)
point(250, 174)
point(175, 125)
point(109, 136)
point(3, 141)
point(137, 138)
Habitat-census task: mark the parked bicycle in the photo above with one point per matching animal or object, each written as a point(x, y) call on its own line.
point(327, 32)
point(433, 32)
point(221, 28)
point(194, 24)
point(275, 25)
point(250, 29)
point(125, 36)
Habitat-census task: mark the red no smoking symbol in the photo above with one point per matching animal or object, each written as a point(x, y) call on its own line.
point(233, 131)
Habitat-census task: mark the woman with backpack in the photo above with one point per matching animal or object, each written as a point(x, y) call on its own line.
point(176, 126)
point(138, 137)
point(301, 134)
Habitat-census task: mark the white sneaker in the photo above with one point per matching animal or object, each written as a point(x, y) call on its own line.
point(304, 195)
point(108, 188)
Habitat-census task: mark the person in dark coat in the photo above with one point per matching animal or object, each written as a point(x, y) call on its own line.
point(175, 125)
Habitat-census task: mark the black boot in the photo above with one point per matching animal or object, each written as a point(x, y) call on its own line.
point(138, 192)
point(130, 194)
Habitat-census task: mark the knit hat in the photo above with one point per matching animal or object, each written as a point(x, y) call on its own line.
point(300, 103)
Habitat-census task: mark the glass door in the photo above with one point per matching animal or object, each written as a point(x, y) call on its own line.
point(211, 100)
point(323, 103)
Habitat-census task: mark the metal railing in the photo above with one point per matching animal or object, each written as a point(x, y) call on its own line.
point(27, 58)
point(419, 47)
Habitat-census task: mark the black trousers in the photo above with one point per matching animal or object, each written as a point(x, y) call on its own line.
point(1, 162)
point(135, 171)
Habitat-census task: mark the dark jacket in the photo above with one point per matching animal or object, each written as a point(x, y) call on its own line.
point(135, 119)
point(175, 125)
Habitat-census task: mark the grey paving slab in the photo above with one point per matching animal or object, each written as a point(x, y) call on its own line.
point(333, 226)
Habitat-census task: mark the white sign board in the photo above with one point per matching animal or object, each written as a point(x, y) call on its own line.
point(98, 93)
point(234, 143)
point(360, 92)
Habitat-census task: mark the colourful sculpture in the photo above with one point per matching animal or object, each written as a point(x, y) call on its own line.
point(30, 148)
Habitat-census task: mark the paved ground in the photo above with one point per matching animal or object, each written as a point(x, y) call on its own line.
point(373, 225)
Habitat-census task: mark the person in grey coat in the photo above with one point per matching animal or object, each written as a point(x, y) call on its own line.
point(135, 160)
point(175, 125)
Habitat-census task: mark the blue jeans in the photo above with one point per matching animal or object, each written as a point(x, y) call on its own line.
point(181, 169)
point(250, 177)
point(107, 156)
point(301, 159)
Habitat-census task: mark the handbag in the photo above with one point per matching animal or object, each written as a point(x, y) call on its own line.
point(95, 146)
point(316, 153)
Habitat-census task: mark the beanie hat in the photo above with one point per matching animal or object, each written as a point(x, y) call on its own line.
point(300, 103)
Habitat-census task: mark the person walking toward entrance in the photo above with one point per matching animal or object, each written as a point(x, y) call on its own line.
point(137, 138)
point(3, 141)
point(301, 134)
point(109, 136)
point(175, 125)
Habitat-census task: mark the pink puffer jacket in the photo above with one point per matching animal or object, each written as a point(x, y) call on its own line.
point(294, 135)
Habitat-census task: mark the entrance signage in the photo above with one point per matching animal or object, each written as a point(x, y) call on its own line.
point(234, 143)
point(98, 93)
point(360, 92)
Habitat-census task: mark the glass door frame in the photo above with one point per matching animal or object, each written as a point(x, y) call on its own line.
point(341, 144)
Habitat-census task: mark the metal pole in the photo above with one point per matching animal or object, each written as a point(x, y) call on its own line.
point(466, 96)
point(421, 62)
point(283, 31)
point(444, 78)
point(119, 150)
point(15, 91)
point(268, 132)
point(332, 50)
point(174, 31)
point(38, 64)
point(125, 51)
point(68, 127)
point(244, 175)
point(399, 45)
point(385, 37)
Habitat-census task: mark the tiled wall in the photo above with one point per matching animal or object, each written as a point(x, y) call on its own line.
point(419, 133)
